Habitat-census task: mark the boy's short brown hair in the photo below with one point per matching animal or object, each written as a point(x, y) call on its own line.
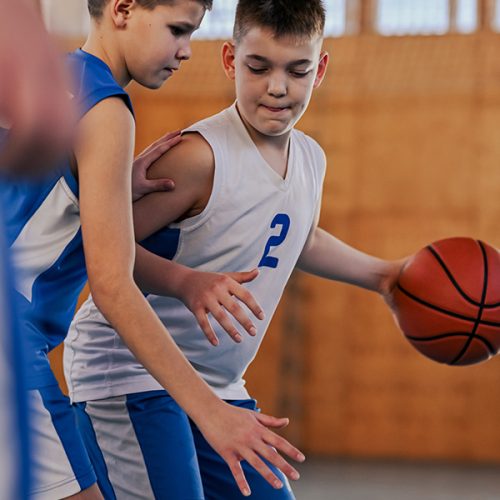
point(298, 18)
point(96, 6)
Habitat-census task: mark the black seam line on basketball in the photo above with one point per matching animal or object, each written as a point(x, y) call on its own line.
point(445, 311)
point(448, 335)
point(454, 281)
point(481, 305)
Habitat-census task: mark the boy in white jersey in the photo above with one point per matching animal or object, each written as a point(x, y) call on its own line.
point(248, 194)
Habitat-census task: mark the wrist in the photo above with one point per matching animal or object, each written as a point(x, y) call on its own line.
point(179, 277)
point(210, 408)
point(390, 276)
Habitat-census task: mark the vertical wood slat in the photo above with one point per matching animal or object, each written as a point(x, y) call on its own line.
point(361, 17)
point(452, 15)
point(485, 14)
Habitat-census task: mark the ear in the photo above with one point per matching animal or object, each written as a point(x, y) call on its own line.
point(323, 63)
point(121, 11)
point(228, 52)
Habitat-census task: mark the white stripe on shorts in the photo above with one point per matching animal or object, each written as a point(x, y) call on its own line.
point(118, 442)
point(53, 476)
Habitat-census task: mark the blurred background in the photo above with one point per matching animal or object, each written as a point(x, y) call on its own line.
point(408, 117)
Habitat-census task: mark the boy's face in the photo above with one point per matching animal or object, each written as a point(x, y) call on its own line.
point(274, 78)
point(155, 42)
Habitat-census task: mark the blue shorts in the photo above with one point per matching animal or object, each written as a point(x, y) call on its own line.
point(143, 446)
point(60, 463)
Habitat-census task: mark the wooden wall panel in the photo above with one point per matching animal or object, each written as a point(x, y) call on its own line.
point(410, 129)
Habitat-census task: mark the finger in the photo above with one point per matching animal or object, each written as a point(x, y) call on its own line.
point(239, 477)
point(283, 446)
point(273, 457)
point(166, 137)
point(242, 294)
point(239, 314)
point(152, 186)
point(244, 277)
point(270, 421)
point(206, 327)
point(264, 471)
point(223, 319)
point(154, 153)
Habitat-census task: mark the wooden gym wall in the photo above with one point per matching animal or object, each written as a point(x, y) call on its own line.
point(410, 129)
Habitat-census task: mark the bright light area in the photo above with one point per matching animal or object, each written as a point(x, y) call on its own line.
point(394, 17)
point(496, 20)
point(466, 16)
point(410, 17)
point(335, 17)
point(218, 23)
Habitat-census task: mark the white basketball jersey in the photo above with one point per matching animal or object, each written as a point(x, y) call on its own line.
point(254, 218)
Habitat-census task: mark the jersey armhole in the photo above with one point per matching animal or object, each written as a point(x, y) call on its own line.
point(194, 222)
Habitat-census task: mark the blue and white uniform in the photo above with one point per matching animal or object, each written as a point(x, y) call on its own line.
point(253, 218)
point(43, 230)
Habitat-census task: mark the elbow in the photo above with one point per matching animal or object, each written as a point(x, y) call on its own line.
point(107, 288)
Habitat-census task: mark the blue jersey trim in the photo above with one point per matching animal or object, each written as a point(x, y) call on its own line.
point(164, 242)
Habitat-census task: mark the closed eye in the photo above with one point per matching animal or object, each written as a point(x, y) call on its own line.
point(299, 74)
point(179, 31)
point(257, 71)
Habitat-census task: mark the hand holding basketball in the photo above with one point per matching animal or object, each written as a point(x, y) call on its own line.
point(447, 301)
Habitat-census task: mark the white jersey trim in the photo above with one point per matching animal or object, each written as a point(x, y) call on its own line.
point(52, 227)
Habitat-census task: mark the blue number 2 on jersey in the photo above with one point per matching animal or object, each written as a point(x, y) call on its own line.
point(279, 220)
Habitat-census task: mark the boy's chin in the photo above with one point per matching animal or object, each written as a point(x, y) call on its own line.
point(152, 83)
point(274, 130)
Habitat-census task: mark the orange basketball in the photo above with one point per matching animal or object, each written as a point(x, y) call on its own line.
point(448, 301)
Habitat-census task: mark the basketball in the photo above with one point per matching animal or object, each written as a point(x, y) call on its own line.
point(447, 301)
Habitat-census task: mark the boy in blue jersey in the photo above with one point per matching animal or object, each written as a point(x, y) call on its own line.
point(248, 194)
point(85, 204)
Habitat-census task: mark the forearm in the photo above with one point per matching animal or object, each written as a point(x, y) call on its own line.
point(330, 258)
point(157, 275)
point(131, 315)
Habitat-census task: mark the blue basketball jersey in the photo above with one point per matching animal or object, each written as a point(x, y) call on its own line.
point(43, 230)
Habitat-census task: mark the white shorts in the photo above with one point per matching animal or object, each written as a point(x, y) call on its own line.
point(60, 463)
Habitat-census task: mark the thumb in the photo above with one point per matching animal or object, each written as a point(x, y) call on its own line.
point(152, 186)
point(270, 421)
point(245, 276)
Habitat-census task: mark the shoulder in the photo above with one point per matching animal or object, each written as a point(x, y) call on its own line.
point(312, 147)
point(192, 160)
point(92, 81)
point(107, 118)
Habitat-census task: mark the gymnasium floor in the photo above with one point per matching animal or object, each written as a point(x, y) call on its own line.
point(375, 480)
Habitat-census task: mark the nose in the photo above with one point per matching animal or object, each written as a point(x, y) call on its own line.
point(277, 84)
point(184, 53)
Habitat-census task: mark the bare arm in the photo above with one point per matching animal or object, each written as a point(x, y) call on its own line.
point(328, 257)
point(106, 216)
point(104, 166)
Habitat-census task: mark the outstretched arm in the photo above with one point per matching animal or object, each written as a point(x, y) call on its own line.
point(328, 257)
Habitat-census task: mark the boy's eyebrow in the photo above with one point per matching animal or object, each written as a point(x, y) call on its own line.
point(265, 60)
point(185, 25)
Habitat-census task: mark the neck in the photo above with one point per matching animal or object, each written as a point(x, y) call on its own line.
point(97, 45)
point(274, 149)
point(279, 143)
